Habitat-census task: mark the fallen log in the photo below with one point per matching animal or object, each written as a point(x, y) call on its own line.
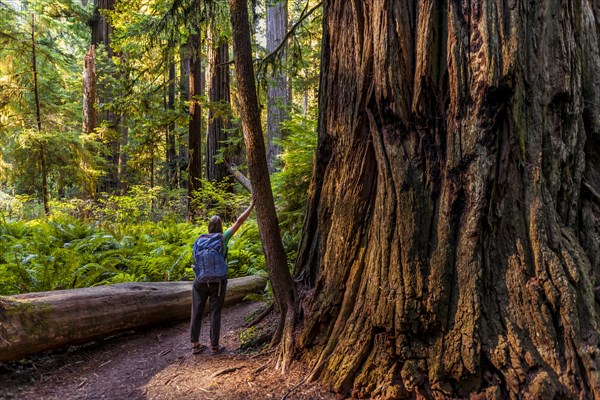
point(35, 322)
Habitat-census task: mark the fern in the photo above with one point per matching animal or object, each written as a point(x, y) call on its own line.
point(65, 252)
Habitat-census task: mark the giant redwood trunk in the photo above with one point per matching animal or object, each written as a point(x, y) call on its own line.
point(452, 238)
point(218, 111)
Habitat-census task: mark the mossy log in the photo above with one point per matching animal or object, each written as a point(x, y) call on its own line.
point(35, 322)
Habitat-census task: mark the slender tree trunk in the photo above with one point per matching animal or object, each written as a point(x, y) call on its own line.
point(90, 113)
point(279, 274)
point(277, 93)
point(184, 93)
point(448, 243)
point(122, 167)
point(89, 91)
point(38, 115)
point(195, 124)
point(171, 154)
point(218, 95)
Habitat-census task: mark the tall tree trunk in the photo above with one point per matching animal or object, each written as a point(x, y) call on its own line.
point(450, 245)
point(89, 91)
point(217, 72)
point(277, 94)
point(101, 27)
point(184, 95)
point(122, 167)
point(101, 30)
point(195, 124)
point(279, 274)
point(38, 116)
point(171, 154)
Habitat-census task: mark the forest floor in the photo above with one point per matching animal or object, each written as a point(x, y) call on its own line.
point(157, 363)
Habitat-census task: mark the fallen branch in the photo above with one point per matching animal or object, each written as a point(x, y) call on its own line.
point(227, 371)
point(165, 352)
point(258, 319)
point(238, 176)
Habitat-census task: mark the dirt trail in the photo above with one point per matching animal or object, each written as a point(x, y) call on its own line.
point(157, 364)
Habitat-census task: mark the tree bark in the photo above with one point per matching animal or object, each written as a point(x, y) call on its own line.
point(184, 93)
point(38, 116)
point(101, 27)
point(218, 96)
point(279, 274)
point(277, 93)
point(450, 249)
point(36, 322)
point(195, 124)
point(101, 30)
point(171, 152)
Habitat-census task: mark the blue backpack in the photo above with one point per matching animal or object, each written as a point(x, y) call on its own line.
point(209, 258)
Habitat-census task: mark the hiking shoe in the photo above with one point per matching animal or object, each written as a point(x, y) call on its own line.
point(217, 350)
point(197, 349)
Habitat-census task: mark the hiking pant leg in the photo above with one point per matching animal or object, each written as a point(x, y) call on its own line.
point(217, 299)
point(199, 296)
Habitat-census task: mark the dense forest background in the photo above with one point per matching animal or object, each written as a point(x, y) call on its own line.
point(119, 131)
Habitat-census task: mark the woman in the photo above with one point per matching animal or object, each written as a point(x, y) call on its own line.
point(210, 270)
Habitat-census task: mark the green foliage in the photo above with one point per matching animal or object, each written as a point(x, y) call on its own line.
point(60, 39)
point(291, 185)
point(136, 206)
point(216, 198)
point(94, 238)
point(65, 253)
point(245, 256)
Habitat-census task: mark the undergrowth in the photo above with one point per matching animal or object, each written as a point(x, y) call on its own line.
point(64, 252)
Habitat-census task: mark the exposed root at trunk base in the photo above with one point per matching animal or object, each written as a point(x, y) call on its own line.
point(286, 345)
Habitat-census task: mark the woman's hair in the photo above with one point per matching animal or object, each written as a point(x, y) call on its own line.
point(215, 224)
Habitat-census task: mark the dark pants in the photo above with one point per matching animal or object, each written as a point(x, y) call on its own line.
point(200, 293)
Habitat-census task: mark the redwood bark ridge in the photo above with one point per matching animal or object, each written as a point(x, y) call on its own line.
point(450, 245)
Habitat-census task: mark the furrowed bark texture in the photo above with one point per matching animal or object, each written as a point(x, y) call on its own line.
point(452, 238)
